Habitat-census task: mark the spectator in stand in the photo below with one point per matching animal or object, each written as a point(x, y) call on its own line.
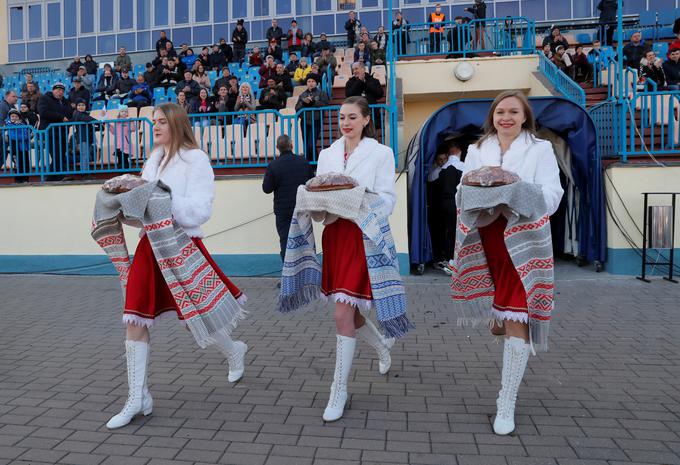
point(596, 55)
point(123, 134)
point(28, 78)
point(563, 61)
point(315, 72)
point(150, 76)
point(283, 79)
point(607, 20)
point(555, 39)
point(170, 49)
point(169, 75)
point(52, 109)
point(86, 79)
point(323, 42)
point(312, 97)
point(294, 37)
point(267, 70)
point(671, 69)
point(189, 59)
point(183, 102)
point(140, 94)
point(377, 54)
point(436, 18)
point(79, 92)
point(202, 105)
point(160, 43)
point(233, 92)
point(255, 57)
point(634, 51)
point(651, 67)
point(300, 76)
point(161, 59)
point(122, 61)
point(72, 69)
point(362, 55)
point(274, 49)
point(31, 96)
point(188, 86)
point(28, 115)
point(381, 38)
point(283, 176)
point(364, 85)
point(202, 78)
point(455, 37)
point(227, 50)
point(124, 85)
point(365, 39)
point(245, 102)
point(221, 102)
point(222, 81)
point(83, 134)
point(403, 38)
point(583, 70)
point(107, 85)
point(547, 51)
point(478, 11)
point(203, 58)
point(293, 63)
point(272, 97)
point(217, 58)
point(7, 104)
point(326, 60)
point(352, 26)
point(274, 32)
point(19, 143)
point(240, 39)
point(308, 47)
point(91, 67)
point(183, 50)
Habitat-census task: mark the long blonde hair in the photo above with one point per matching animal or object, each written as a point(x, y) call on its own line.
point(529, 125)
point(181, 135)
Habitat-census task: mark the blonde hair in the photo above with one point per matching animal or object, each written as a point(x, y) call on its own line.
point(529, 124)
point(181, 135)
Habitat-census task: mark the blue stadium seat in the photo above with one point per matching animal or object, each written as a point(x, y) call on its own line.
point(212, 75)
point(158, 92)
point(647, 18)
point(661, 49)
point(584, 38)
point(666, 17)
point(162, 99)
point(233, 67)
point(648, 34)
point(113, 104)
point(171, 94)
point(98, 105)
point(139, 69)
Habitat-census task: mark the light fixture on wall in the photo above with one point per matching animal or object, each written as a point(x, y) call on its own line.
point(464, 71)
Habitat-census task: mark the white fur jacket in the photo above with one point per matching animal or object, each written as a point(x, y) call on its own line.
point(192, 182)
point(371, 164)
point(531, 158)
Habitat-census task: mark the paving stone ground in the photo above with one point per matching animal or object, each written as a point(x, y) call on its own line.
point(607, 393)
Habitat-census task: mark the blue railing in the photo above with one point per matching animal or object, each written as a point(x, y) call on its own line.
point(606, 117)
point(232, 140)
point(502, 36)
point(563, 83)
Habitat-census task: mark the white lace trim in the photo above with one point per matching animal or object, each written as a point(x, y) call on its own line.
point(149, 322)
point(501, 315)
point(350, 300)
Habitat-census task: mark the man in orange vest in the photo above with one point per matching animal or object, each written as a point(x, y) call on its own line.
point(436, 29)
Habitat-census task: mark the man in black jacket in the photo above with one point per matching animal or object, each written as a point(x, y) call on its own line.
point(274, 32)
point(351, 26)
point(79, 92)
point(240, 39)
point(634, 51)
point(365, 85)
point(160, 43)
point(53, 108)
point(227, 50)
point(217, 60)
point(607, 20)
point(222, 81)
point(283, 176)
point(450, 176)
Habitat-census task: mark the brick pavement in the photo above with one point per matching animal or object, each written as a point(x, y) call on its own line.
point(607, 393)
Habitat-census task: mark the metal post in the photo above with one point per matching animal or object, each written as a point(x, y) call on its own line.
point(644, 241)
point(670, 261)
point(392, 104)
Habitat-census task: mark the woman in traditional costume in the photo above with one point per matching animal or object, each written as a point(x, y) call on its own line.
point(178, 162)
point(517, 304)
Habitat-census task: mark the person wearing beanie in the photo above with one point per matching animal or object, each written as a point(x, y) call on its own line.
point(240, 39)
point(19, 146)
point(83, 134)
point(311, 97)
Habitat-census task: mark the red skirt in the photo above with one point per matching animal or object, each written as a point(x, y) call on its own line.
point(345, 273)
point(510, 298)
point(147, 295)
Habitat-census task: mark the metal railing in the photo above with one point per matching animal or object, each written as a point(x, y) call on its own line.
point(563, 83)
point(606, 117)
point(232, 140)
point(503, 36)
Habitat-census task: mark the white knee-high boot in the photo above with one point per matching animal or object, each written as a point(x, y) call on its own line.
point(344, 354)
point(382, 345)
point(139, 399)
point(235, 351)
point(515, 357)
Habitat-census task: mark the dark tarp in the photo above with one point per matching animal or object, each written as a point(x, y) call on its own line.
point(562, 116)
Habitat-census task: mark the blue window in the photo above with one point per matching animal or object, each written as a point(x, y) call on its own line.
point(582, 9)
point(634, 7)
point(106, 44)
point(70, 20)
point(324, 23)
point(202, 10)
point(143, 14)
point(70, 47)
point(181, 11)
point(534, 9)
point(370, 3)
point(410, 2)
point(53, 20)
point(220, 10)
point(257, 29)
point(261, 7)
point(54, 49)
point(127, 41)
point(160, 12)
point(35, 51)
point(221, 31)
point(371, 19)
point(240, 9)
point(17, 52)
point(86, 16)
point(303, 7)
point(283, 7)
point(87, 45)
point(324, 5)
point(143, 40)
point(203, 35)
point(305, 23)
point(105, 15)
point(559, 10)
point(507, 9)
point(16, 24)
point(126, 14)
point(34, 22)
point(181, 36)
point(658, 5)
